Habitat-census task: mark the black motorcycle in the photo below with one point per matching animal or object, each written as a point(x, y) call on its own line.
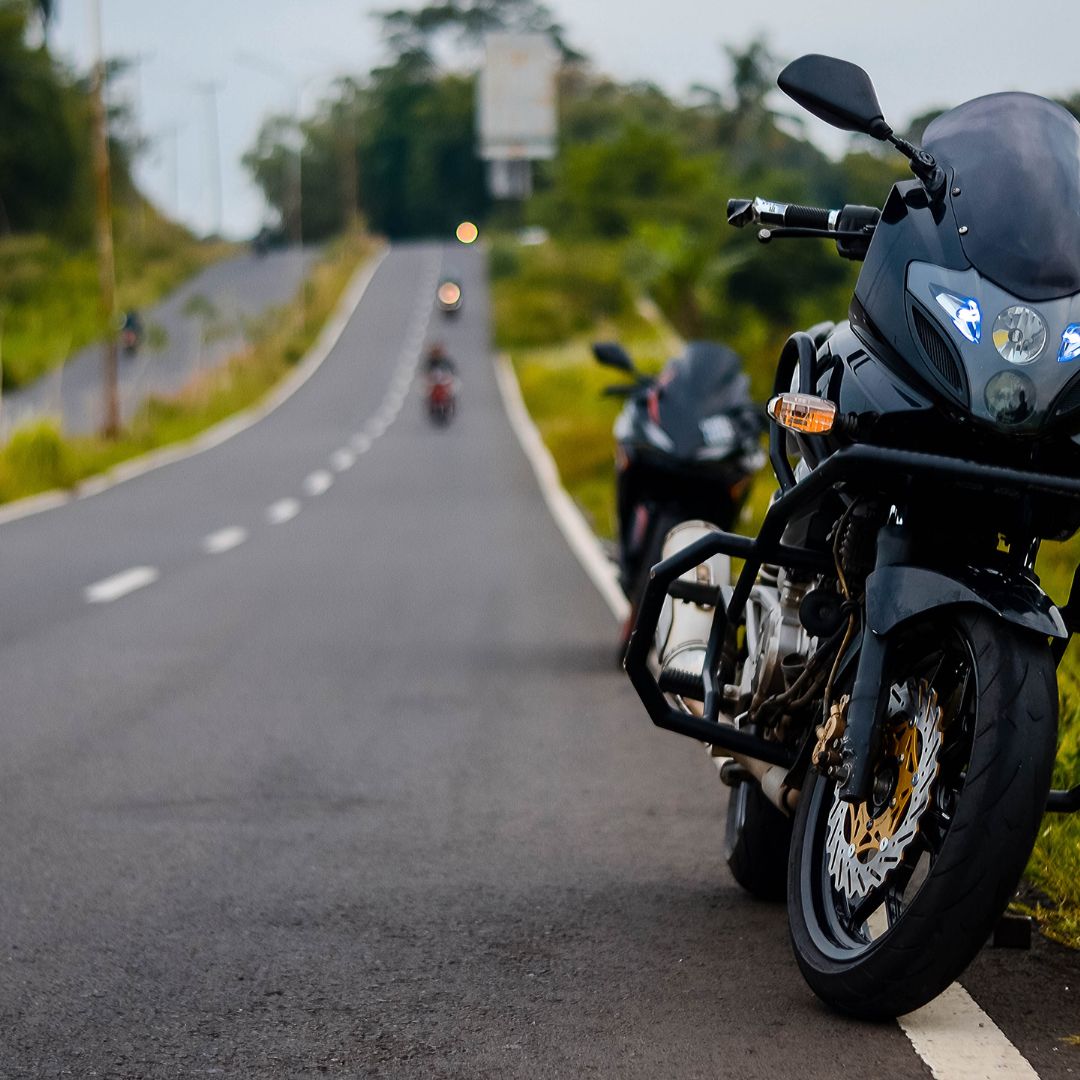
point(688, 444)
point(882, 673)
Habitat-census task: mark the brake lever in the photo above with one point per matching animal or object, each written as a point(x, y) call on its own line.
point(785, 233)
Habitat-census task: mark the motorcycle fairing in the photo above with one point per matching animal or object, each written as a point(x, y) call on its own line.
point(980, 359)
point(1006, 233)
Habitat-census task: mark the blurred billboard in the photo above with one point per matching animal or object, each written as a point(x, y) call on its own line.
point(516, 115)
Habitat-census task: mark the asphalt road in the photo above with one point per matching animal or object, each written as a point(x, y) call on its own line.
point(200, 324)
point(363, 795)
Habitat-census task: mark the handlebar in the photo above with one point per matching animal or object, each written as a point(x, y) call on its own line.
point(852, 227)
point(742, 212)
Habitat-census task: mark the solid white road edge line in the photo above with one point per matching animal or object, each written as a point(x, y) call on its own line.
point(317, 482)
point(283, 510)
point(960, 1042)
point(215, 436)
point(567, 516)
point(224, 540)
point(127, 581)
point(955, 1038)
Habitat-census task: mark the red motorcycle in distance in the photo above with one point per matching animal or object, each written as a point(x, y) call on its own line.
point(442, 398)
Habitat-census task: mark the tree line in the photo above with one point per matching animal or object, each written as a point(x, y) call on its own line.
point(46, 180)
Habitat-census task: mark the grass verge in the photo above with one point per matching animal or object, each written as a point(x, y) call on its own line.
point(38, 457)
point(550, 303)
point(547, 329)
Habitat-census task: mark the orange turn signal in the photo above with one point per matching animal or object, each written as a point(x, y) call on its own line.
point(803, 412)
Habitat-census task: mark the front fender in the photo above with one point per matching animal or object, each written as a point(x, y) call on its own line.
point(896, 594)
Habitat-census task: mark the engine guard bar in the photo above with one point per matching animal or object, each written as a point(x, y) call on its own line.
point(849, 465)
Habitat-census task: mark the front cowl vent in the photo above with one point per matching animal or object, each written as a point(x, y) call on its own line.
point(938, 351)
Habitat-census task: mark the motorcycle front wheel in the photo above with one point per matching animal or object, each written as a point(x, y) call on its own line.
point(891, 899)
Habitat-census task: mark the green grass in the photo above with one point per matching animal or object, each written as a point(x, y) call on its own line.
point(39, 458)
point(1055, 864)
point(561, 385)
point(49, 298)
point(547, 328)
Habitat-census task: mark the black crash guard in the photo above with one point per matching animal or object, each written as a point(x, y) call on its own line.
point(850, 466)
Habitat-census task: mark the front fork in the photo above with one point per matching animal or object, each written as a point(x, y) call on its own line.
point(862, 733)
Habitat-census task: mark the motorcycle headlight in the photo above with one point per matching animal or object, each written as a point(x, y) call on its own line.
point(1019, 334)
point(1010, 397)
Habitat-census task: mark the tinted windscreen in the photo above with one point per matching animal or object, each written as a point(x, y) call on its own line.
point(710, 380)
point(1016, 160)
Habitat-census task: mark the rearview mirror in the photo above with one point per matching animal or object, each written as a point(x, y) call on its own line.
point(611, 354)
point(835, 91)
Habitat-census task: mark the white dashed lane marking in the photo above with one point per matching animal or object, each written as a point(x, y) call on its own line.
point(277, 513)
point(283, 510)
point(342, 459)
point(224, 540)
point(127, 581)
point(317, 482)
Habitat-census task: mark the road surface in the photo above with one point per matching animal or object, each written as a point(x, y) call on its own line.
point(329, 773)
point(202, 323)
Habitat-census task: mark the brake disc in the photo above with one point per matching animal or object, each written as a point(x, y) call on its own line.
point(866, 841)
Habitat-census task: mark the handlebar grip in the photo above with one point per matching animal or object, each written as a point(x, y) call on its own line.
point(806, 217)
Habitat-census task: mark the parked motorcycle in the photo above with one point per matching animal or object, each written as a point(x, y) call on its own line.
point(688, 444)
point(882, 672)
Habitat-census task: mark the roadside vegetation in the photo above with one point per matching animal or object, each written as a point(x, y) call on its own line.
point(50, 308)
point(39, 457)
point(49, 303)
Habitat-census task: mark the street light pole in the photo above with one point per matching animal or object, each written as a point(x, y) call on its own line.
point(103, 229)
point(296, 88)
point(213, 150)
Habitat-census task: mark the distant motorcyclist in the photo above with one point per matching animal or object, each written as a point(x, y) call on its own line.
point(438, 364)
point(442, 384)
point(131, 332)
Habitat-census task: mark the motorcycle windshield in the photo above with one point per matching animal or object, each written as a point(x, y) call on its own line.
point(1015, 161)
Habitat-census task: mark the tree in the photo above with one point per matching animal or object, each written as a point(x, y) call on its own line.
point(466, 22)
point(401, 144)
point(41, 151)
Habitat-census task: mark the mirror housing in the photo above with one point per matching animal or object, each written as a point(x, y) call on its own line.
point(836, 91)
point(612, 354)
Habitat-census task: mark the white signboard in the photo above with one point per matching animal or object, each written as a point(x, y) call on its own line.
point(516, 98)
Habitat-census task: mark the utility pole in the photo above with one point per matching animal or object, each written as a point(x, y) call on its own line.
point(213, 150)
point(110, 426)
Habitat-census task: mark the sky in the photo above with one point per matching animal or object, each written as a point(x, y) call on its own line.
point(264, 56)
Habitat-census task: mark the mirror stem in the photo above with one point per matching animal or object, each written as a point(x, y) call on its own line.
point(923, 165)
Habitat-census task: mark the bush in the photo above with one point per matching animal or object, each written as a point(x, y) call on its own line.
point(34, 459)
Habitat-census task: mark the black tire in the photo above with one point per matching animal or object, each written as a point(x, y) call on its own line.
point(756, 842)
point(975, 835)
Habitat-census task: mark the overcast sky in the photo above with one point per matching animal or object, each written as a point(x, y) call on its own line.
point(919, 53)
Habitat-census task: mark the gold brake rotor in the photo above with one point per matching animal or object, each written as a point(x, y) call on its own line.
point(869, 834)
point(866, 841)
